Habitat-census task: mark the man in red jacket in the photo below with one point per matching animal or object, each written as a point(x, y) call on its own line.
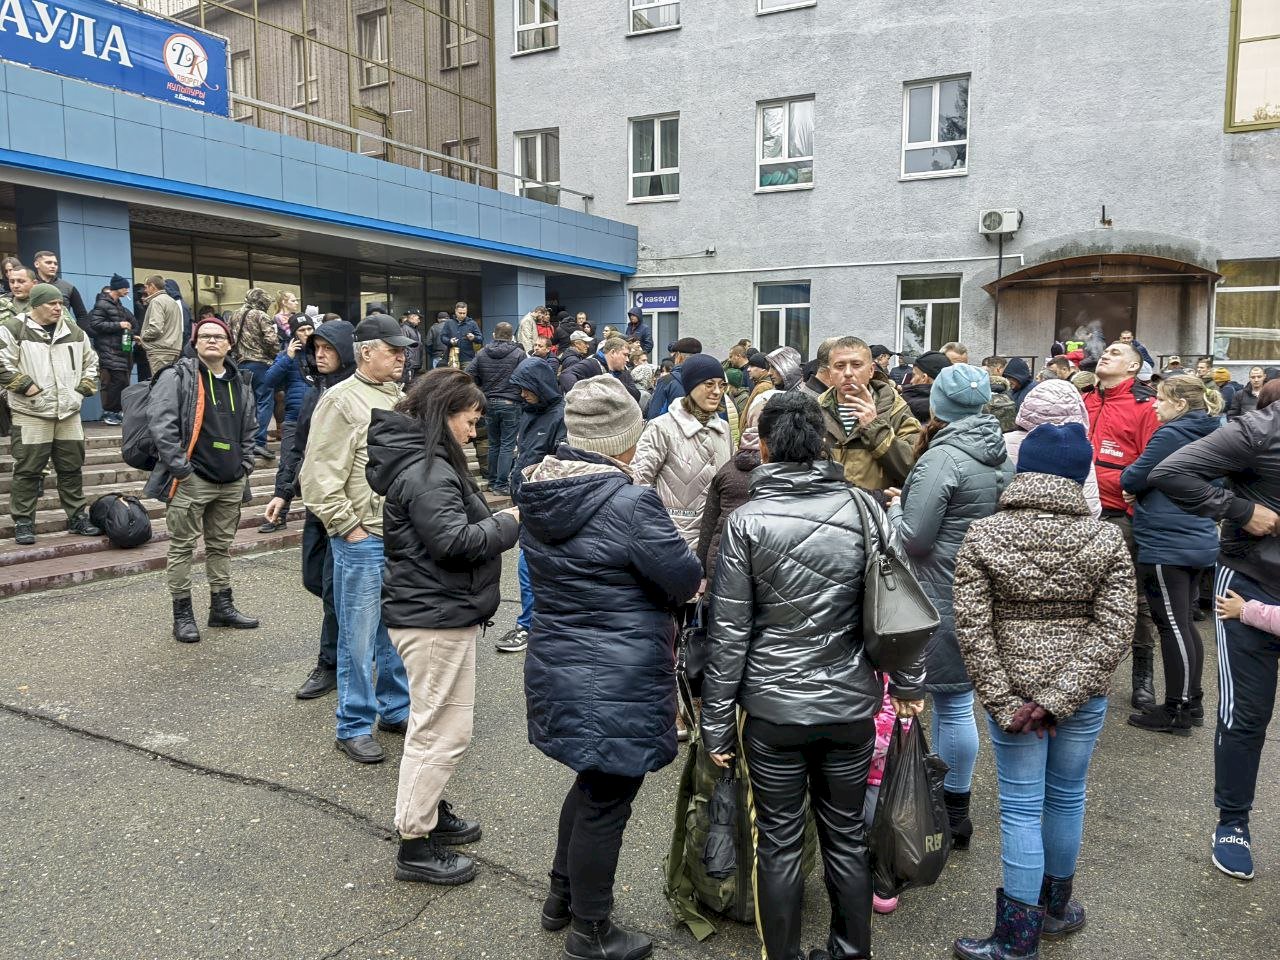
point(1122, 418)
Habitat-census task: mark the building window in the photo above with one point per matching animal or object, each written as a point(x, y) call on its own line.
point(782, 316)
point(1253, 78)
point(468, 150)
point(537, 25)
point(459, 33)
point(241, 84)
point(773, 6)
point(538, 158)
point(306, 85)
point(928, 313)
point(375, 124)
point(785, 145)
point(649, 15)
point(655, 158)
point(935, 128)
point(1247, 311)
point(371, 44)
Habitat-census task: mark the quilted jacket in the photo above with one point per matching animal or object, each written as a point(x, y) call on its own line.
point(678, 456)
point(786, 609)
point(1045, 602)
point(956, 481)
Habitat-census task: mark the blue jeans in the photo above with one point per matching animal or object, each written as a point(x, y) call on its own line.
point(501, 419)
point(1042, 798)
point(264, 397)
point(955, 738)
point(363, 640)
point(526, 594)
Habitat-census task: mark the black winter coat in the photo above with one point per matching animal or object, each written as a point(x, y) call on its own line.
point(492, 369)
point(730, 488)
point(608, 570)
point(443, 547)
point(541, 429)
point(104, 327)
point(917, 397)
point(786, 609)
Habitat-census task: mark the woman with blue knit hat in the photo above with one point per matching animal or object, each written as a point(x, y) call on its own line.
point(960, 471)
point(1045, 606)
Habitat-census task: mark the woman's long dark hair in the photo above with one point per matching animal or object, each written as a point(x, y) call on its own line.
point(927, 433)
point(434, 397)
point(791, 427)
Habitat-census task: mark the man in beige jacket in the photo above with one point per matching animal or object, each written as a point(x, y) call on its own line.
point(161, 333)
point(335, 489)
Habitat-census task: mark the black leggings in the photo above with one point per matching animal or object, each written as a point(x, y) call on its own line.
point(594, 814)
point(829, 764)
point(1173, 593)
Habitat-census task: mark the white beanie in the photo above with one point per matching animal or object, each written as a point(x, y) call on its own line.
point(600, 416)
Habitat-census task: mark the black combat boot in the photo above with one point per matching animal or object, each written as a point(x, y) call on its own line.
point(1144, 690)
point(184, 621)
point(601, 940)
point(555, 909)
point(223, 612)
point(423, 860)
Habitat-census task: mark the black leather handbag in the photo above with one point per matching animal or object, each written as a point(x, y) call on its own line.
point(693, 649)
point(898, 618)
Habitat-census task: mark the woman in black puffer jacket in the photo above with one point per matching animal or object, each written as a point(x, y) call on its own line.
point(786, 647)
point(440, 584)
point(730, 488)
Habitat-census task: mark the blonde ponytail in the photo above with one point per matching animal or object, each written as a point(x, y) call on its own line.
point(1192, 391)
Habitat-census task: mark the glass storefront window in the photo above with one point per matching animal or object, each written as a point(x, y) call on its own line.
point(406, 291)
point(222, 276)
point(276, 273)
point(373, 289)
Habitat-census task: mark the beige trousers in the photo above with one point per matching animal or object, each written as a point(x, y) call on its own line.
point(441, 665)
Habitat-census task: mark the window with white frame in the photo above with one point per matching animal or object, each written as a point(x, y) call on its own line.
point(537, 25)
point(649, 15)
point(371, 43)
point(935, 128)
point(1246, 322)
point(241, 83)
point(655, 158)
point(459, 33)
point(928, 313)
point(773, 6)
point(782, 316)
point(306, 85)
point(784, 144)
point(538, 158)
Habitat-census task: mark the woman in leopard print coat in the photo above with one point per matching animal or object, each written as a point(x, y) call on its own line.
point(1044, 610)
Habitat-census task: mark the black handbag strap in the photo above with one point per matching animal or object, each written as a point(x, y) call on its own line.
point(868, 544)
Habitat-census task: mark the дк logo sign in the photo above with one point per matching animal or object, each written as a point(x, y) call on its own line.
point(186, 60)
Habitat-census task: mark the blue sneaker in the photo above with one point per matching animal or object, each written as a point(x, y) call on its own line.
point(1231, 852)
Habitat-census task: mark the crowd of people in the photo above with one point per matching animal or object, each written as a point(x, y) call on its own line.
point(1058, 522)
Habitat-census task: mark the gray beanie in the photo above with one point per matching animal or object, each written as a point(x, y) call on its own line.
point(600, 416)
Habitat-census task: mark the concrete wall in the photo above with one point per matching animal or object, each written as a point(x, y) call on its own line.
point(1073, 105)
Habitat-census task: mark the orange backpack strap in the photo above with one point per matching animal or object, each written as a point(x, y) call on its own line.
point(195, 430)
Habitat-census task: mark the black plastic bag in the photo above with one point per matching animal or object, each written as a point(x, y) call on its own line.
point(720, 855)
point(910, 837)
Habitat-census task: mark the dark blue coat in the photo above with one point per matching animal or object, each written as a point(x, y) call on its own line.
point(286, 374)
point(541, 429)
point(454, 334)
point(1017, 369)
point(668, 390)
point(1163, 531)
point(608, 569)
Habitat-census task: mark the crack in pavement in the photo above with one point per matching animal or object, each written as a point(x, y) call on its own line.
point(534, 891)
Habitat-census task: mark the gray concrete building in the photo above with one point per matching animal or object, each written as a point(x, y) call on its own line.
point(803, 169)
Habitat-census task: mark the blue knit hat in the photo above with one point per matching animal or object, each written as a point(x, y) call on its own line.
point(959, 391)
point(1063, 451)
point(697, 368)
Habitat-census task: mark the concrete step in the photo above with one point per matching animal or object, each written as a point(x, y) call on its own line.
point(105, 458)
point(96, 437)
point(66, 571)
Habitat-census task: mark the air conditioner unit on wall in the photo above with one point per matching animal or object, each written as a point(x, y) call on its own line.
point(1006, 220)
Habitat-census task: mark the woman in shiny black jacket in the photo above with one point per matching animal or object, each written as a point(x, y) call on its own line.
point(787, 649)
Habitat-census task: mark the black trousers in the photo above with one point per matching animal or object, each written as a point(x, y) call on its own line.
point(829, 764)
point(1144, 630)
point(594, 814)
point(1173, 593)
point(113, 384)
point(317, 577)
point(1247, 663)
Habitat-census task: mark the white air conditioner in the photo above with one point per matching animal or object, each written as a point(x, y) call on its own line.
point(999, 221)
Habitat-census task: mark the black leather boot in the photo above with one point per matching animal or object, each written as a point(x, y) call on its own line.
point(1144, 689)
point(602, 940)
point(422, 860)
point(1062, 915)
point(555, 909)
point(223, 612)
point(451, 829)
point(184, 621)
point(958, 815)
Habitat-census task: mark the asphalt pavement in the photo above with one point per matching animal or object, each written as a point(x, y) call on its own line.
point(163, 800)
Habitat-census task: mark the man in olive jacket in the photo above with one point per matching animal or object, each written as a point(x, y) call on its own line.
point(870, 426)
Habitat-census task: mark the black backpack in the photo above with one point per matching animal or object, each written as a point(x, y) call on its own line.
point(136, 446)
point(123, 519)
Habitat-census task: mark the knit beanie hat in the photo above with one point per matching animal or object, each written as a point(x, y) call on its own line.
point(118, 283)
point(43, 293)
point(600, 416)
point(1221, 375)
point(699, 367)
point(932, 363)
point(734, 376)
point(195, 329)
point(960, 391)
point(758, 360)
point(301, 320)
point(1062, 451)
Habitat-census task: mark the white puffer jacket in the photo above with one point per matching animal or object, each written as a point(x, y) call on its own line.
point(678, 456)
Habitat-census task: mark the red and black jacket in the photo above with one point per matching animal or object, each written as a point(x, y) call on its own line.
point(1121, 421)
